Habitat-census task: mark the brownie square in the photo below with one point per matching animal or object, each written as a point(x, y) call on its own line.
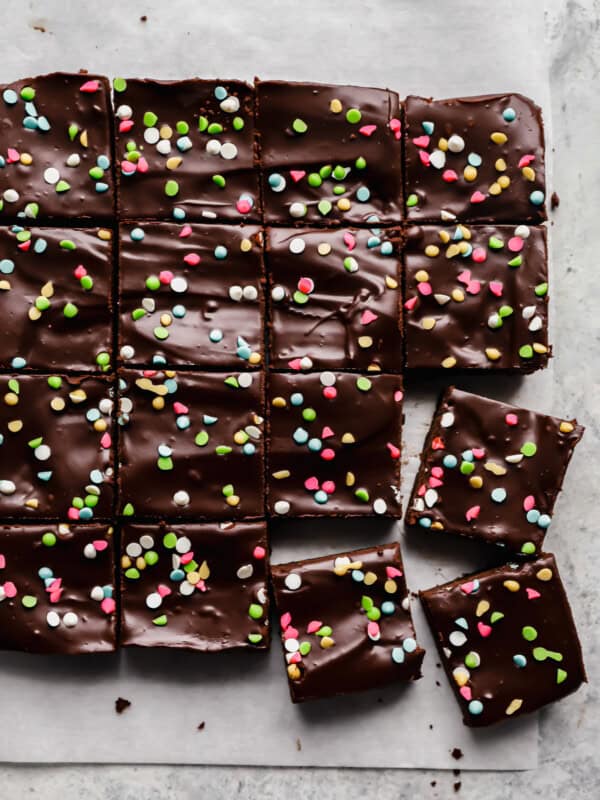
point(186, 150)
point(191, 444)
point(334, 299)
point(491, 471)
point(56, 588)
point(56, 447)
point(476, 297)
point(345, 623)
point(55, 298)
point(56, 153)
point(506, 639)
point(475, 159)
point(329, 154)
point(200, 587)
point(334, 445)
point(191, 294)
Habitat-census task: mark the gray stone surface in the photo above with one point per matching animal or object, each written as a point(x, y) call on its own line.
point(569, 732)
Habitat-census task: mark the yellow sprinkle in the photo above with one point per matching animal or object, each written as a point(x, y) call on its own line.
point(452, 251)
point(125, 562)
point(324, 249)
point(498, 137)
point(390, 282)
point(344, 204)
point(503, 181)
point(335, 106)
point(34, 313)
point(166, 320)
point(326, 642)
point(476, 482)
point(254, 358)
point(100, 425)
point(83, 138)
point(470, 173)
point(428, 323)
point(170, 373)
point(495, 469)
point(528, 173)
point(540, 348)
point(158, 403)
point(204, 571)
point(5, 286)
point(493, 353)
point(165, 132)
point(47, 289)
point(458, 295)
point(281, 474)
point(15, 425)
point(512, 586)
point(373, 368)
point(350, 479)
point(461, 675)
point(495, 189)
point(77, 396)
point(432, 250)
point(348, 438)
point(293, 672)
point(105, 234)
point(482, 607)
point(443, 144)
point(514, 705)
point(173, 162)
point(365, 342)
point(370, 578)
point(279, 402)
point(246, 245)
point(465, 232)
point(32, 503)
point(444, 237)
point(447, 363)
point(140, 563)
point(544, 574)
point(239, 437)
point(57, 404)
point(26, 159)
point(566, 427)
point(11, 399)
point(193, 578)
point(146, 385)
point(390, 586)
point(437, 526)
point(422, 275)
point(500, 165)
point(232, 500)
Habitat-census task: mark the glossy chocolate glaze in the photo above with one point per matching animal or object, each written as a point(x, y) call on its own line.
point(358, 652)
point(503, 623)
point(356, 435)
point(218, 487)
point(440, 187)
point(215, 613)
point(74, 480)
point(78, 560)
point(76, 109)
point(49, 264)
point(222, 296)
point(351, 318)
point(486, 314)
point(490, 442)
point(142, 178)
point(329, 141)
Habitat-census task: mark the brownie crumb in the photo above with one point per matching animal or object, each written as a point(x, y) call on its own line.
point(554, 201)
point(121, 704)
point(433, 783)
point(457, 786)
point(144, 18)
point(202, 726)
point(456, 772)
point(39, 28)
point(298, 745)
point(457, 753)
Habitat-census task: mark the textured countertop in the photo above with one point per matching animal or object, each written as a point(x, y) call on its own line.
point(569, 732)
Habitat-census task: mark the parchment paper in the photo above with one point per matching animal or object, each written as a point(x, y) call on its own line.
point(61, 709)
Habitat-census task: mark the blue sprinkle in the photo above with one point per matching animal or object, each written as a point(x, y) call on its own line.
point(86, 513)
point(428, 127)
point(215, 335)
point(7, 266)
point(171, 385)
point(220, 92)
point(468, 249)
point(40, 246)
point(45, 573)
point(158, 360)
point(137, 234)
point(30, 109)
point(300, 436)
point(276, 180)
point(462, 623)
point(297, 399)
point(450, 461)
point(10, 97)
point(208, 420)
point(45, 476)
point(544, 521)
point(96, 476)
point(358, 575)
point(320, 497)
point(409, 645)
point(533, 516)
point(248, 449)
point(509, 114)
point(92, 414)
point(18, 362)
point(537, 197)
point(398, 655)
point(30, 123)
point(177, 575)
point(386, 249)
point(520, 661)
point(179, 311)
point(103, 162)
point(475, 707)
point(425, 522)
point(315, 445)
point(244, 352)
point(179, 214)
point(43, 124)
point(2, 161)
point(101, 187)
point(220, 252)
point(498, 495)
point(184, 143)
point(373, 241)
point(457, 236)
point(363, 194)
point(387, 607)
point(1, 438)
point(183, 422)
point(107, 591)
point(467, 455)
point(474, 159)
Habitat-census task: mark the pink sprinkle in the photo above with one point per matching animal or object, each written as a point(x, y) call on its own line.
point(179, 408)
point(285, 620)
point(105, 441)
point(311, 484)
point(163, 591)
point(438, 443)
point(529, 502)
point(424, 288)
point(90, 87)
point(396, 127)
point(291, 633)
point(466, 692)
point(515, 244)
point(193, 259)
point(398, 396)
point(326, 433)
point(473, 287)
point(479, 255)
point(295, 363)
point(142, 165)
point(449, 175)
point(10, 590)
point(297, 174)
point(435, 483)
point(511, 419)
point(185, 232)
point(100, 545)
point(306, 285)
point(367, 317)
point(526, 160)
point(478, 452)
point(243, 205)
point(367, 130)
point(328, 454)
point(2, 561)
point(25, 245)
point(295, 658)
point(424, 156)
point(55, 596)
point(373, 631)
point(465, 276)
point(330, 392)
point(187, 557)
point(80, 272)
point(393, 572)
point(328, 487)
point(437, 472)
point(349, 241)
point(165, 277)
point(477, 197)
point(125, 125)
point(201, 586)
point(484, 629)
point(472, 513)
point(532, 594)
point(128, 167)
point(259, 552)
point(411, 303)
point(468, 587)
point(108, 605)
point(496, 288)
point(73, 513)
point(149, 373)
point(421, 490)
point(13, 155)
point(421, 141)
point(314, 626)
point(394, 451)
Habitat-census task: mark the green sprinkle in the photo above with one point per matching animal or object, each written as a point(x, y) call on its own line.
point(223, 449)
point(138, 313)
point(119, 84)
point(32, 210)
point(150, 119)
point(314, 179)
point(70, 310)
point(299, 126)
point(526, 351)
point(496, 616)
point(515, 262)
point(228, 490)
point(362, 494)
point(182, 127)
point(67, 244)
point(541, 289)
point(29, 601)
point(232, 381)
point(528, 548)
point(73, 131)
point(255, 638)
point(91, 501)
point(42, 303)
point(128, 510)
point(324, 630)
point(529, 633)
point(160, 621)
point(152, 283)
point(472, 660)
point(309, 414)
point(326, 171)
point(324, 207)
point(171, 188)
point(373, 614)
point(13, 385)
point(62, 186)
point(170, 540)
point(160, 333)
point(96, 173)
point(366, 602)
point(495, 243)
point(215, 127)
point(238, 124)
point(339, 173)
point(202, 124)
point(505, 311)
point(363, 384)
point(33, 443)
point(467, 467)
point(412, 200)
point(339, 189)
point(103, 359)
point(28, 93)
point(201, 439)
point(255, 611)
point(353, 116)
point(132, 573)
point(165, 463)
point(360, 163)
point(300, 298)
point(219, 180)
point(305, 648)
point(529, 449)
point(561, 675)
point(49, 539)
point(54, 382)
point(151, 557)
point(86, 282)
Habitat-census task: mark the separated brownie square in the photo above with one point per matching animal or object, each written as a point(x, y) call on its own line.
point(475, 159)
point(506, 639)
point(491, 471)
point(334, 299)
point(185, 150)
point(57, 588)
point(55, 298)
point(199, 587)
point(345, 623)
point(476, 297)
point(191, 444)
point(329, 154)
point(191, 294)
point(56, 149)
point(56, 458)
point(334, 445)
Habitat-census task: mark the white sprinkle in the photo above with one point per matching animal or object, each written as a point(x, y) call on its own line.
point(447, 420)
point(327, 379)
point(179, 285)
point(127, 352)
point(406, 603)
point(97, 594)
point(236, 293)
point(70, 619)
point(306, 363)
point(522, 231)
point(230, 105)
point(7, 487)
point(293, 581)
point(380, 506)
point(245, 572)
point(535, 324)
point(149, 304)
point(341, 561)
point(42, 453)
point(126, 405)
point(124, 112)
point(457, 638)
point(164, 147)
point(437, 159)
point(73, 160)
point(183, 545)
point(281, 507)
point(447, 216)
point(133, 550)
point(228, 151)
point(213, 147)
point(186, 588)
point(456, 144)
point(105, 405)
point(250, 293)
point(151, 135)
point(146, 541)
point(431, 497)
point(297, 245)
point(181, 498)
point(89, 551)
point(528, 312)
point(51, 175)
point(298, 210)
point(292, 645)
point(261, 595)
point(53, 619)
point(278, 293)
point(154, 600)
point(514, 459)
point(245, 380)
point(442, 299)
point(253, 432)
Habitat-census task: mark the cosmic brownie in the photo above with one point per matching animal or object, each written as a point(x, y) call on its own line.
point(191, 444)
point(56, 588)
point(55, 447)
point(345, 623)
point(191, 294)
point(185, 150)
point(334, 444)
point(200, 587)
point(506, 639)
point(476, 297)
point(55, 149)
point(475, 159)
point(329, 154)
point(334, 299)
point(491, 471)
point(55, 298)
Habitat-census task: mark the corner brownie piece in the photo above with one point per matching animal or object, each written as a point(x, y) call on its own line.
point(191, 444)
point(506, 639)
point(334, 445)
point(56, 588)
point(191, 294)
point(329, 154)
point(345, 623)
point(55, 149)
point(186, 150)
point(56, 447)
point(200, 587)
point(475, 159)
point(55, 298)
point(491, 471)
point(476, 297)
point(334, 299)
